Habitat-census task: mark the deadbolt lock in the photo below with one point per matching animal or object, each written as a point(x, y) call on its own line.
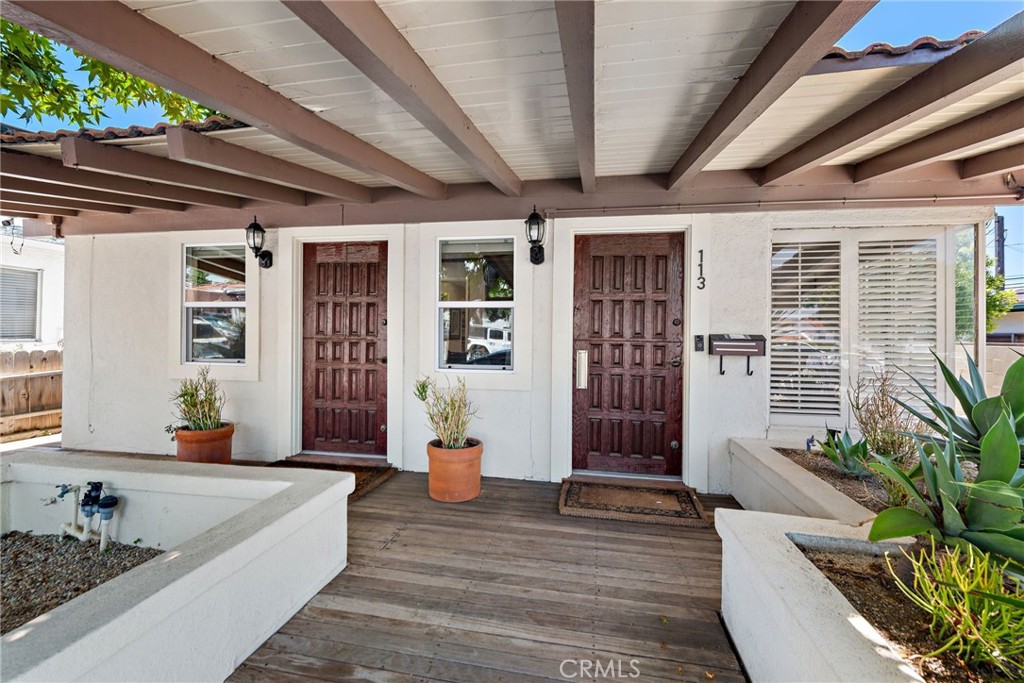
point(384, 428)
point(674, 445)
point(675, 362)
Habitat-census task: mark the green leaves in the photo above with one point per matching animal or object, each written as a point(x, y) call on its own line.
point(899, 522)
point(1000, 452)
point(849, 456)
point(34, 83)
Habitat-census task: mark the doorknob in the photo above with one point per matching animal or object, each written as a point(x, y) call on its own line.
point(383, 360)
point(675, 362)
point(582, 371)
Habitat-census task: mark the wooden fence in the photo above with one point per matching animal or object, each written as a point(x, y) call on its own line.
point(30, 393)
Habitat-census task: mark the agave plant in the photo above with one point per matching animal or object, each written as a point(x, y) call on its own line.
point(848, 455)
point(979, 411)
point(987, 513)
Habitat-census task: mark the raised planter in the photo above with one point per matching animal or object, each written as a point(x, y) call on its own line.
point(787, 621)
point(767, 481)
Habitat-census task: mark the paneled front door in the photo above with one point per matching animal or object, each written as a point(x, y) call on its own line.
point(344, 342)
point(628, 349)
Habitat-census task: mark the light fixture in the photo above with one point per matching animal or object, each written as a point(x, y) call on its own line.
point(535, 236)
point(254, 235)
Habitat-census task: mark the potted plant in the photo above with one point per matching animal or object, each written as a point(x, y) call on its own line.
point(454, 473)
point(204, 436)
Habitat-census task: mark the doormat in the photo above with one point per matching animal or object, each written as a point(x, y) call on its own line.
point(632, 501)
point(368, 477)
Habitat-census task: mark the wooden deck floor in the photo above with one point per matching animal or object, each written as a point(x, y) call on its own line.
point(505, 589)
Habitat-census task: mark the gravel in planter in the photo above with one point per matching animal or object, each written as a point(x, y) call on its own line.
point(40, 573)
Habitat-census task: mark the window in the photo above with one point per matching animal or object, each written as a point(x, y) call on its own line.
point(215, 301)
point(19, 304)
point(475, 304)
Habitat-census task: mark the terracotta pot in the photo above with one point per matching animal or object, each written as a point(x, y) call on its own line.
point(454, 472)
point(205, 445)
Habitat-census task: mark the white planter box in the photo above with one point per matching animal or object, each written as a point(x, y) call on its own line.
point(766, 481)
point(246, 548)
point(787, 620)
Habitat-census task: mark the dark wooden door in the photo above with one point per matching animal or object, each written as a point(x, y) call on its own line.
point(344, 347)
point(627, 317)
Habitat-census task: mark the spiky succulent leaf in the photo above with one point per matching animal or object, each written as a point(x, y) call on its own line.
point(1013, 386)
point(993, 506)
point(976, 379)
point(899, 522)
point(1000, 452)
point(886, 469)
point(987, 411)
point(997, 543)
point(962, 393)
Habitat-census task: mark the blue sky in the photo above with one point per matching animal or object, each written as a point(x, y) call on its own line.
point(890, 21)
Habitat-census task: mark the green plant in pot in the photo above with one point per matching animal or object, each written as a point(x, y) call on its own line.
point(454, 474)
point(202, 435)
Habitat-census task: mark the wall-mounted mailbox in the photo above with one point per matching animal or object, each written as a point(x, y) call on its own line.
point(748, 345)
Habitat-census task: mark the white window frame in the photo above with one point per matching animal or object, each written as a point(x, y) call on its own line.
point(178, 366)
point(849, 239)
point(38, 334)
point(465, 305)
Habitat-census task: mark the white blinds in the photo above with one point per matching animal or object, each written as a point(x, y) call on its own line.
point(897, 308)
point(19, 292)
point(806, 335)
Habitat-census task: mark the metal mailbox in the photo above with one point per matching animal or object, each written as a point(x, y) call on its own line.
point(748, 345)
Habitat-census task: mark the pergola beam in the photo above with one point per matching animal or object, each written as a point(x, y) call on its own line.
point(807, 33)
point(35, 167)
point(18, 207)
point(998, 161)
point(60, 202)
point(118, 35)
point(43, 189)
point(209, 152)
point(576, 33)
point(362, 33)
point(19, 214)
point(122, 161)
point(995, 57)
point(1002, 123)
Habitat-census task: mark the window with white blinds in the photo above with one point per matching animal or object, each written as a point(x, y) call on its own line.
point(806, 334)
point(19, 303)
point(897, 308)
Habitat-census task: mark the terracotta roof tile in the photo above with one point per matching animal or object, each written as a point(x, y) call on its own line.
point(15, 136)
point(923, 43)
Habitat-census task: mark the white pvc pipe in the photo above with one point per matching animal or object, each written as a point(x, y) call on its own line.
point(104, 534)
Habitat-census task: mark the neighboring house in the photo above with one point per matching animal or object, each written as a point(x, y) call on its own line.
point(31, 293)
point(1011, 327)
point(786, 212)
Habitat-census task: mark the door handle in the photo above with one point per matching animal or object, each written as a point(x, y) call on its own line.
point(383, 360)
point(675, 362)
point(582, 371)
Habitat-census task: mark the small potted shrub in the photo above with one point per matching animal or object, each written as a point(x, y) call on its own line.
point(204, 436)
point(454, 474)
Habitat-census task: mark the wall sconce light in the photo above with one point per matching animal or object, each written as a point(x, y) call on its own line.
point(535, 236)
point(254, 235)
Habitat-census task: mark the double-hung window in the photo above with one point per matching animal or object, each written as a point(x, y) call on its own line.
point(476, 303)
point(19, 304)
point(214, 304)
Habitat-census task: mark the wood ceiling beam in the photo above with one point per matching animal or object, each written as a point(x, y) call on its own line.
point(122, 161)
point(35, 167)
point(999, 161)
point(118, 35)
point(18, 207)
point(1002, 124)
point(60, 202)
point(361, 32)
point(209, 152)
point(989, 60)
point(807, 33)
point(576, 33)
point(42, 189)
point(827, 187)
point(20, 214)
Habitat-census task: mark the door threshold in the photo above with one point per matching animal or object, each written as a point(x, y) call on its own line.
point(627, 475)
point(368, 460)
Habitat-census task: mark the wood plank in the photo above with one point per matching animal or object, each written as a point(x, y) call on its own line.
point(118, 35)
point(60, 202)
point(34, 208)
point(989, 60)
point(994, 126)
point(202, 150)
point(807, 33)
point(998, 161)
point(362, 33)
point(54, 190)
point(576, 34)
point(121, 161)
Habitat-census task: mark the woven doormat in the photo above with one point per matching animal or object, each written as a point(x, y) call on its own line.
point(632, 501)
point(368, 477)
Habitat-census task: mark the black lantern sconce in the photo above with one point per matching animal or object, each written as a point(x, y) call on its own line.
point(535, 236)
point(254, 235)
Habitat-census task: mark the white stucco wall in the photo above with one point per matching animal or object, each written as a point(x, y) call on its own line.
point(47, 257)
point(119, 339)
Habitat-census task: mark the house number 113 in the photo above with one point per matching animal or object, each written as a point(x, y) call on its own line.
point(701, 281)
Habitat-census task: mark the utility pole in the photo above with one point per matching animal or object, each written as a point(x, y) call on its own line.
point(1000, 246)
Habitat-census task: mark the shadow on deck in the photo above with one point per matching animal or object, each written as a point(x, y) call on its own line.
point(503, 588)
